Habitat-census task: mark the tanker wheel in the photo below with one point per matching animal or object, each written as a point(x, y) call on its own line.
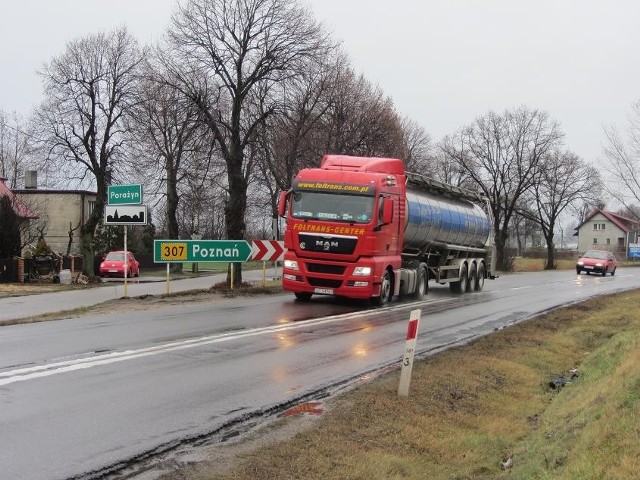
point(460, 286)
point(422, 286)
point(303, 296)
point(473, 279)
point(385, 290)
point(479, 285)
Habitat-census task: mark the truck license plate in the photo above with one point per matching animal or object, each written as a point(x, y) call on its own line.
point(323, 291)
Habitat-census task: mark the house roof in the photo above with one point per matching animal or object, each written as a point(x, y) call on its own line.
point(623, 223)
point(22, 211)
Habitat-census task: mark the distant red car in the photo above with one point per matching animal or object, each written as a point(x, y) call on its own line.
point(597, 261)
point(114, 263)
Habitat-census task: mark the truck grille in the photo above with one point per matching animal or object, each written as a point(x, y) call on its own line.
point(322, 268)
point(323, 282)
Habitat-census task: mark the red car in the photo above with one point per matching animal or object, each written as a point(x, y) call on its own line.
point(597, 261)
point(114, 263)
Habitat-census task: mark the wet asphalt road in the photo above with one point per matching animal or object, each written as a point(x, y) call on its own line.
point(98, 393)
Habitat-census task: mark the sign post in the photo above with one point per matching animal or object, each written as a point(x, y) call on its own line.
point(409, 352)
point(124, 207)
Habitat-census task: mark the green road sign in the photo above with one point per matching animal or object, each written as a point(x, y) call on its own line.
point(124, 194)
point(177, 251)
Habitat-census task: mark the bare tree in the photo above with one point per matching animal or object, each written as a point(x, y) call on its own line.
point(417, 150)
point(622, 160)
point(563, 180)
point(502, 155)
point(360, 120)
point(227, 57)
point(287, 140)
point(14, 147)
point(89, 90)
point(167, 145)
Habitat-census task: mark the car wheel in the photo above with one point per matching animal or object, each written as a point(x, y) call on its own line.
point(604, 272)
point(613, 272)
point(578, 271)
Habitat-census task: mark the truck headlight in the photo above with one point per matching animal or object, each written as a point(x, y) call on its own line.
point(362, 271)
point(291, 264)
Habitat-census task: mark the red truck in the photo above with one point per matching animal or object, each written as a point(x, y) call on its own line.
point(364, 228)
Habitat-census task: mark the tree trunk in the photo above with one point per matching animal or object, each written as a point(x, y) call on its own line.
point(86, 239)
point(502, 262)
point(551, 253)
point(235, 209)
point(172, 209)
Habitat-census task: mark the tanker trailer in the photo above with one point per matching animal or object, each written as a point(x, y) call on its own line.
point(364, 228)
point(447, 238)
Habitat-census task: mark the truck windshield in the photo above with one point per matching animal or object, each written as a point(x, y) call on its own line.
point(328, 206)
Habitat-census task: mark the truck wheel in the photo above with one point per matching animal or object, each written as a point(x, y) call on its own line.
point(422, 286)
point(303, 296)
point(385, 290)
point(473, 279)
point(460, 286)
point(479, 285)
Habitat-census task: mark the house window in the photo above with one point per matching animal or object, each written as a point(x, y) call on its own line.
point(621, 241)
point(599, 226)
point(91, 206)
point(595, 241)
point(608, 241)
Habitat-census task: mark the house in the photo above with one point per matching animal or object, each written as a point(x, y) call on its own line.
point(61, 212)
point(603, 230)
point(26, 216)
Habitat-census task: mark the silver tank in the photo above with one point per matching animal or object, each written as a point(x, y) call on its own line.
point(433, 220)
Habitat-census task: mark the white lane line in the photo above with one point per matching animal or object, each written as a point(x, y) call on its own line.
point(48, 369)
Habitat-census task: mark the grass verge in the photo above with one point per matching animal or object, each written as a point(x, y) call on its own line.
point(482, 411)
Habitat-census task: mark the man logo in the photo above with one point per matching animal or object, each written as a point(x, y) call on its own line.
point(303, 245)
point(326, 245)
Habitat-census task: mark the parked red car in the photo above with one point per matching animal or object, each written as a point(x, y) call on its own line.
point(597, 261)
point(114, 263)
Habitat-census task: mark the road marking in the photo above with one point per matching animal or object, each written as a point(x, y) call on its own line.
point(48, 369)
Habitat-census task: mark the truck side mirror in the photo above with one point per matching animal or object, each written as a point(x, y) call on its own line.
point(282, 204)
point(387, 211)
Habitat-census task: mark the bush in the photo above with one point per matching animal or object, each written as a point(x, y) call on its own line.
point(42, 248)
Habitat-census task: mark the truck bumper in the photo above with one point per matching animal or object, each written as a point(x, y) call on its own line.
point(328, 279)
point(301, 286)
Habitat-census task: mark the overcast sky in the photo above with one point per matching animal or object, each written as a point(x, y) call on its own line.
point(444, 62)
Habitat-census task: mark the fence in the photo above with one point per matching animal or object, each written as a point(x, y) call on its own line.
point(8, 270)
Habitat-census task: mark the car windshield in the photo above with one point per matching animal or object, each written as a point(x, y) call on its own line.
point(595, 254)
point(115, 257)
point(328, 206)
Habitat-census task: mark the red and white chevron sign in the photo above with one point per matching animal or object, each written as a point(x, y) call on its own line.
point(267, 250)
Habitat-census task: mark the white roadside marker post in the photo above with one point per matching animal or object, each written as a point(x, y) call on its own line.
point(409, 352)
